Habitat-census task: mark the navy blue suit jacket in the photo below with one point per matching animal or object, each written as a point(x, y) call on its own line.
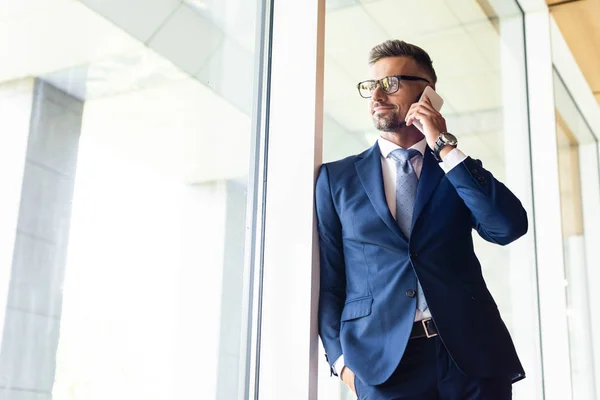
point(367, 265)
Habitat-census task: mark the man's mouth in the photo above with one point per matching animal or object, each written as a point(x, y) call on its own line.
point(383, 109)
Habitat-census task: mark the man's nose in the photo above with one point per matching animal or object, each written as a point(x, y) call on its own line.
point(378, 94)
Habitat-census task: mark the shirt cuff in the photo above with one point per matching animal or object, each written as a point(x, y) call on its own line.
point(339, 365)
point(452, 159)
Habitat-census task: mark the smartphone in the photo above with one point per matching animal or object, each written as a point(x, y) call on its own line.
point(436, 102)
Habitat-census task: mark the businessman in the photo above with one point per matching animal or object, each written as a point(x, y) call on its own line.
point(404, 312)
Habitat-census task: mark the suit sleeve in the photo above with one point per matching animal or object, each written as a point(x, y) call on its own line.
point(333, 274)
point(497, 214)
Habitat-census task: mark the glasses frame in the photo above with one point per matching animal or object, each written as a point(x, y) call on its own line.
point(378, 83)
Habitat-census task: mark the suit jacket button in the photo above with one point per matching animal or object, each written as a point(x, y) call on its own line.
point(411, 293)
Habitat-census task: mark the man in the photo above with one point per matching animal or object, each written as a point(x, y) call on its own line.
point(404, 312)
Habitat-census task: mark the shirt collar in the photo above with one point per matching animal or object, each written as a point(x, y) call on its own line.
point(386, 147)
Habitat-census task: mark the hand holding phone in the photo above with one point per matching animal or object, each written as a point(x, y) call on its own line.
point(436, 102)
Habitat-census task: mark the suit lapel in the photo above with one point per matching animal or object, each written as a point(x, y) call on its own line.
point(371, 177)
point(431, 174)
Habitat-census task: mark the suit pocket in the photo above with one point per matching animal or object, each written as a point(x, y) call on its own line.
point(357, 308)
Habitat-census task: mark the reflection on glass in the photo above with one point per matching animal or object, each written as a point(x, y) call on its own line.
point(572, 132)
point(476, 48)
point(129, 184)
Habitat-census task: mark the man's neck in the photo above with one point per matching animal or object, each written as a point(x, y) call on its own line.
point(405, 138)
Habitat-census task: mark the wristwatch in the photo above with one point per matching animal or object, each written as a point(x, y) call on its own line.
point(445, 139)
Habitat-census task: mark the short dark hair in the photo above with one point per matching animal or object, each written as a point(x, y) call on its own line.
point(399, 48)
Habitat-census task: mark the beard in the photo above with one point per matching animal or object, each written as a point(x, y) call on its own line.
point(388, 123)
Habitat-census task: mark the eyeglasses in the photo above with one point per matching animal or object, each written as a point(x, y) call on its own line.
point(389, 84)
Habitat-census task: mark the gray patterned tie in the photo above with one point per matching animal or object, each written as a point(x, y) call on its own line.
point(406, 193)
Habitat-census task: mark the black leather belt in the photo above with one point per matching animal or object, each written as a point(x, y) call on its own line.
point(423, 329)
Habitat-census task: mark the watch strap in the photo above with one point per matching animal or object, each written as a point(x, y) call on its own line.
point(440, 143)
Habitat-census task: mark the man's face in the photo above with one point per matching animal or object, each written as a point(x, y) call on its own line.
point(389, 110)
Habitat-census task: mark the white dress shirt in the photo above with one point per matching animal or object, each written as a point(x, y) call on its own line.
point(390, 170)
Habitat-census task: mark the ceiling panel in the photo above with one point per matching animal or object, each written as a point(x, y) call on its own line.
point(409, 19)
point(12, 9)
point(77, 35)
point(127, 14)
point(454, 53)
point(179, 39)
point(466, 11)
point(230, 73)
point(232, 17)
point(350, 34)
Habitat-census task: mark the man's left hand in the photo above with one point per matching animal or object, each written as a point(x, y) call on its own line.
point(432, 121)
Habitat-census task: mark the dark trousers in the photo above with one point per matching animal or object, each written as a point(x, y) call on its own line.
point(427, 372)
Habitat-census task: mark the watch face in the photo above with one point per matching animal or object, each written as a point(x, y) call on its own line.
point(450, 139)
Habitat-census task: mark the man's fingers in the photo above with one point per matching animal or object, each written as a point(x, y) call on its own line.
point(427, 106)
point(417, 115)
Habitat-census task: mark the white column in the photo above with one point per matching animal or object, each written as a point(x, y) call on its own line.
point(590, 198)
point(582, 363)
point(16, 101)
point(288, 359)
point(522, 265)
point(551, 279)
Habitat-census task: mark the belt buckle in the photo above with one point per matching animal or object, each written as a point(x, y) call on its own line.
point(424, 323)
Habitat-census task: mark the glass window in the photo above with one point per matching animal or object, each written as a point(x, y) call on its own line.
point(477, 48)
point(576, 153)
point(127, 196)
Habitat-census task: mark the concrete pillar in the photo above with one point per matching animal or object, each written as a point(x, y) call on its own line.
point(32, 307)
point(232, 291)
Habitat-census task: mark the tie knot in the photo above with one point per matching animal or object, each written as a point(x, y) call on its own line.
point(403, 155)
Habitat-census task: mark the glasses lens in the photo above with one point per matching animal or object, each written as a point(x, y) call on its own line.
point(390, 84)
point(366, 88)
